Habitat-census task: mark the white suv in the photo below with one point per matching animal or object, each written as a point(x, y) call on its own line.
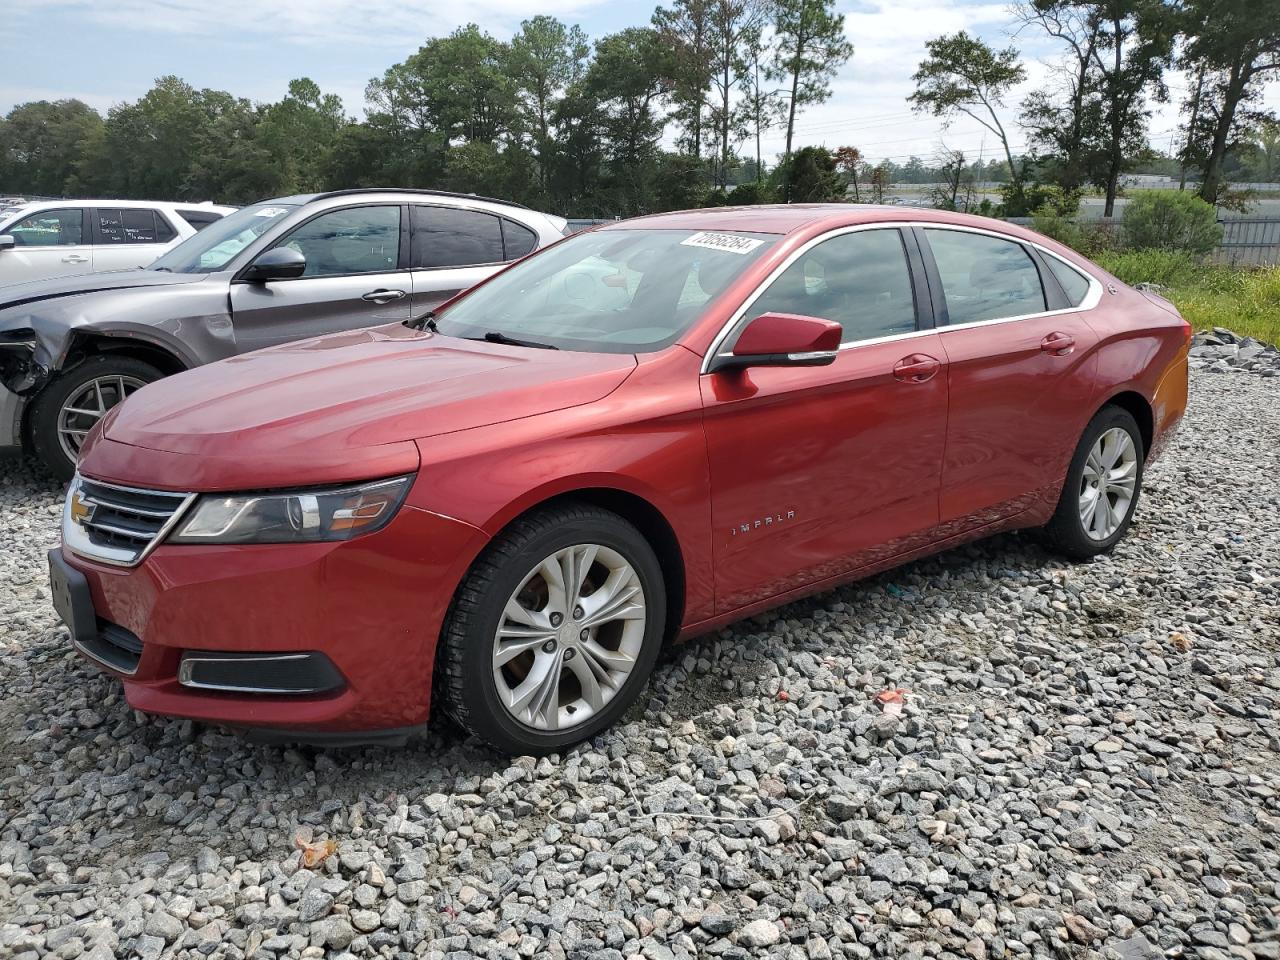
point(64, 238)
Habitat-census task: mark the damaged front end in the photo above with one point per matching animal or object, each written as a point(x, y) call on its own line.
point(25, 361)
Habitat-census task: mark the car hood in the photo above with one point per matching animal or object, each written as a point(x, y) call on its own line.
point(351, 391)
point(35, 291)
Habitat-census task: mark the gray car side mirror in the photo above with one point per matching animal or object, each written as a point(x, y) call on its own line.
point(7, 242)
point(281, 263)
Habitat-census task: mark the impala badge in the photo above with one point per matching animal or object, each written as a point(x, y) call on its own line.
point(761, 522)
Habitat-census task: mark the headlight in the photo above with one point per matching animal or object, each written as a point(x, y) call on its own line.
point(300, 516)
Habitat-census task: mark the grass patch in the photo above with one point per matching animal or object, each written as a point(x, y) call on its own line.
point(1243, 299)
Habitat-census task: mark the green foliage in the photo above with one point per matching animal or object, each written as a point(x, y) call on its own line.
point(1165, 268)
point(810, 176)
point(810, 46)
point(41, 144)
point(1171, 220)
point(1244, 300)
point(1031, 199)
point(1089, 239)
point(750, 193)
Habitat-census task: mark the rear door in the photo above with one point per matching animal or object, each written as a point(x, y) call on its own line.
point(455, 248)
point(50, 243)
point(1020, 359)
point(125, 238)
point(816, 471)
point(356, 276)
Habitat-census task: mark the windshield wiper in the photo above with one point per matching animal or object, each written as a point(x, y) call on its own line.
point(496, 336)
point(163, 269)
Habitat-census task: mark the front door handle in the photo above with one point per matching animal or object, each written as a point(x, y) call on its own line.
point(1058, 344)
point(383, 296)
point(916, 368)
point(74, 258)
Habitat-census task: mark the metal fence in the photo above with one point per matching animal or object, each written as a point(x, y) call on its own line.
point(1246, 241)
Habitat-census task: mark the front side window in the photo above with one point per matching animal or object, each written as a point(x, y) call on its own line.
point(611, 291)
point(449, 237)
point(349, 241)
point(213, 248)
point(984, 277)
point(49, 228)
point(860, 280)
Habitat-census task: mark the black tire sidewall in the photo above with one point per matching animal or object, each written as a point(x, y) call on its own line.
point(43, 421)
point(485, 714)
point(1066, 527)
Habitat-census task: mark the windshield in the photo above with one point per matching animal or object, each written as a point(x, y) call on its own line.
point(217, 245)
point(612, 291)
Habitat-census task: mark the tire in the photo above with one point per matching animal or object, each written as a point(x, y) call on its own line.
point(1077, 532)
point(115, 374)
point(474, 681)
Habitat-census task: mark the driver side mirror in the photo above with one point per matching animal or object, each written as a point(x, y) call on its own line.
point(281, 263)
point(8, 242)
point(783, 340)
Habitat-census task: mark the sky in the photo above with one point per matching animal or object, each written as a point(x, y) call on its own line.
point(108, 51)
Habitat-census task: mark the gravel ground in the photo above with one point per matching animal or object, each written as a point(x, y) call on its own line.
point(1084, 762)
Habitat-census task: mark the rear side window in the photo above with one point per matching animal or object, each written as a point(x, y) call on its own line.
point(517, 240)
point(449, 237)
point(49, 228)
point(131, 225)
point(164, 229)
point(984, 277)
point(1075, 283)
point(200, 218)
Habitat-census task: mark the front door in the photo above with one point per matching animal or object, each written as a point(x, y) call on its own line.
point(816, 471)
point(354, 278)
point(1019, 398)
point(51, 243)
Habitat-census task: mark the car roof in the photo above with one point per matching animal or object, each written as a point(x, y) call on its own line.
point(37, 205)
point(303, 198)
point(788, 218)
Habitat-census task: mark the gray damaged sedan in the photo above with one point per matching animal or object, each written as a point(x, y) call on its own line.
point(280, 270)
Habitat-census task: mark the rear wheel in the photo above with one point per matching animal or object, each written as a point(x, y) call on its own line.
point(554, 632)
point(67, 408)
point(1102, 488)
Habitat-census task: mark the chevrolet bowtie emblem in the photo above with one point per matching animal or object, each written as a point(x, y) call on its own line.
point(81, 509)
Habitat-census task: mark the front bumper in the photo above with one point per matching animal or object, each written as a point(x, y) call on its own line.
point(372, 608)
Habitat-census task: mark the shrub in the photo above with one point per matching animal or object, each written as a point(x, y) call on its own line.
point(751, 193)
point(1088, 239)
point(1165, 268)
point(1171, 220)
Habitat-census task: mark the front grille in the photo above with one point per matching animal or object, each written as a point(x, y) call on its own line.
point(115, 524)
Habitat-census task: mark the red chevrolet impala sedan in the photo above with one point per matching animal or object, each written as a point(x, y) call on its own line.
point(639, 434)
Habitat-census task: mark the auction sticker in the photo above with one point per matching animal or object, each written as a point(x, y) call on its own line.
point(271, 211)
point(728, 242)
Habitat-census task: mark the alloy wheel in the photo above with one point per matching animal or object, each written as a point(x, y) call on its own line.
point(569, 637)
point(1108, 483)
point(86, 406)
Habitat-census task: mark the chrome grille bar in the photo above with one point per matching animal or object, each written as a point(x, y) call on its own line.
point(115, 524)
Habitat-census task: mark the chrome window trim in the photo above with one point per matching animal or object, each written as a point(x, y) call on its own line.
point(75, 540)
point(1091, 300)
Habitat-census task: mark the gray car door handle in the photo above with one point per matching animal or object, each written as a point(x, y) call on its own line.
point(383, 296)
point(75, 258)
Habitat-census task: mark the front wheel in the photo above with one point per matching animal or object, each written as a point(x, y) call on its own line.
point(554, 632)
point(1102, 488)
point(65, 411)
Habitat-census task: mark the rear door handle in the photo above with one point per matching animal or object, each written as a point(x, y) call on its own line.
point(1059, 344)
point(916, 368)
point(75, 258)
point(383, 296)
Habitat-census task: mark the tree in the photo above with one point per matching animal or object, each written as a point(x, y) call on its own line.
point(809, 176)
point(964, 75)
point(735, 29)
point(1065, 128)
point(1237, 42)
point(546, 57)
point(848, 161)
point(810, 46)
point(1262, 162)
point(764, 106)
point(955, 174)
point(629, 78)
point(299, 133)
point(685, 31)
point(41, 142)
